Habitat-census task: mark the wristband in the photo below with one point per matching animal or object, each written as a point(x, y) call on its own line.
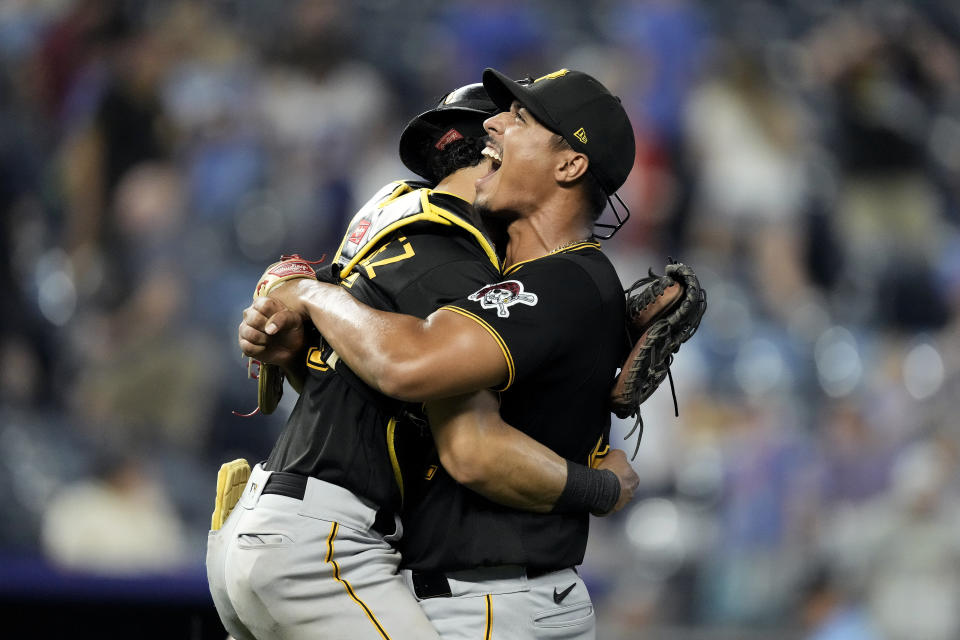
point(587, 489)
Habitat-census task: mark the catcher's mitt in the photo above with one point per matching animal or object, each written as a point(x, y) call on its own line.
point(269, 377)
point(663, 312)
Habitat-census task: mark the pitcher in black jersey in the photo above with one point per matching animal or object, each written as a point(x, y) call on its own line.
point(309, 550)
point(545, 336)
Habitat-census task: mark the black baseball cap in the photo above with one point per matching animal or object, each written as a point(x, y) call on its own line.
point(576, 106)
point(459, 114)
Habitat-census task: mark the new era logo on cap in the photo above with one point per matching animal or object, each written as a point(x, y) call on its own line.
point(580, 135)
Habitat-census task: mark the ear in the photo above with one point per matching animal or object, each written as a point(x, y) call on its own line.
point(570, 166)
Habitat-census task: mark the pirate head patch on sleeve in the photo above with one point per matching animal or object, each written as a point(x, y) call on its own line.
point(558, 306)
point(502, 295)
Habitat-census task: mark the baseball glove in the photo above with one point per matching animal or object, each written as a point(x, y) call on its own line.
point(663, 312)
point(269, 377)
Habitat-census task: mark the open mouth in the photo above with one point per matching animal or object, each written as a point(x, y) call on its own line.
point(495, 160)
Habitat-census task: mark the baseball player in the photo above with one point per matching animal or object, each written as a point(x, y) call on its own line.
point(307, 552)
point(546, 335)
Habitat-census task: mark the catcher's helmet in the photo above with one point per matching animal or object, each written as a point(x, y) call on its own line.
point(459, 114)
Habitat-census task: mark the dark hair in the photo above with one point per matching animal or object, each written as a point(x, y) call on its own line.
point(593, 193)
point(459, 154)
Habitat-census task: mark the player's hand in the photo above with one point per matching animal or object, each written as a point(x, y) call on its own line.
point(617, 462)
point(280, 347)
point(288, 294)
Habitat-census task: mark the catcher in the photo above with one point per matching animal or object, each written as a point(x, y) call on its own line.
point(480, 569)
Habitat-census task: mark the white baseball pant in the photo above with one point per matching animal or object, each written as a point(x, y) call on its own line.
point(309, 569)
point(502, 603)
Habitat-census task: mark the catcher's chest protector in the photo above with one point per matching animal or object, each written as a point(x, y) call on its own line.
point(394, 206)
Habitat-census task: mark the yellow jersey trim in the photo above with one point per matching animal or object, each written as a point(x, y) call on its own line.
point(402, 189)
point(336, 576)
point(574, 247)
point(463, 224)
point(511, 369)
point(392, 450)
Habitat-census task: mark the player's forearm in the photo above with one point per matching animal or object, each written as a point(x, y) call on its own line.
point(517, 471)
point(481, 451)
point(487, 455)
point(512, 469)
point(521, 473)
point(374, 343)
point(402, 356)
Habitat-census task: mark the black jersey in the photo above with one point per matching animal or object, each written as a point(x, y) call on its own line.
point(409, 251)
point(559, 320)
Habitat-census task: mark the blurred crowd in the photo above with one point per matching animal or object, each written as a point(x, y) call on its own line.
point(802, 155)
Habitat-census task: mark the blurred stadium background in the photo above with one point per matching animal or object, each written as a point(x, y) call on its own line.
point(804, 155)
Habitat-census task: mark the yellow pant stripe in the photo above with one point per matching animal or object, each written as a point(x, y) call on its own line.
point(346, 585)
point(392, 450)
point(489, 632)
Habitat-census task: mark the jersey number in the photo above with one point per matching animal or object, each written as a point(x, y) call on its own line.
point(377, 259)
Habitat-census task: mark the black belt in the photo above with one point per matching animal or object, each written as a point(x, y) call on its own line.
point(434, 584)
point(294, 485)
